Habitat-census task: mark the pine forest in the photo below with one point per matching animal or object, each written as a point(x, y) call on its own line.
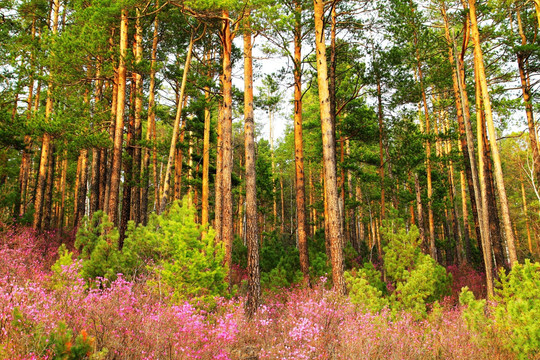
point(256, 179)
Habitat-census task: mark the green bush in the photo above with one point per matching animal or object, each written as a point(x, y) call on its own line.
point(416, 278)
point(173, 249)
point(366, 288)
point(515, 312)
point(424, 284)
point(518, 310)
point(97, 241)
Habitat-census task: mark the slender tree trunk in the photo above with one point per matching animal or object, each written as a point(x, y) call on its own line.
point(119, 122)
point(176, 126)
point(432, 248)
point(494, 222)
point(252, 241)
point(299, 148)
point(150, 134)
point(179, 160)
point(526, 214)
point(329, 153)
point(63, 176)
point(492, 135)
point(81, 187)
point(282, 195)
point(381, 135)
point(419, 209)
point(464, 210)
point(46, 141)
point(466, 135)
point(137, 131)
point(527, 99)
point(218, 179)
point(49, 189)
point(537, 8)
point(484, 212)
point(226, 128)
point(206, 155)
point(461, 258)
point(128, 169)
point(25, 157)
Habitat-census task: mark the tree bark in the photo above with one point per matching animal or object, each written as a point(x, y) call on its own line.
point(116, 165)
point(46, 140)
point(492, 135)
point(137, 131)
point(299, 148)
point(176, 126)
point(527, 99)
point(226, 128)
point(49, 188)
point(484, 212)
point(252, 241)
point(329, 153)
point(206, 154)
point(150, 133)
point(82, 187)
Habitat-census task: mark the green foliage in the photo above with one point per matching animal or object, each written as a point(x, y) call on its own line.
point(519, 308)
point(59, 343)
point(172, 248)
point(515, 312)
point(63, 348)
point(366, 287)
point(417, 279)
point(97, 241)
point(425, 284)
point(401, 252)
point(61, 278)
point(474, 312)
point(189, 260)
point(280, 262)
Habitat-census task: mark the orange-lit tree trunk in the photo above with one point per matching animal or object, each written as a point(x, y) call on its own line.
point(114, 192)
point(482, 180)
point(299, 147)
point(492, 135)
point(137, 131)
point(329, 152)
point(150, 131)
point(252, 240)
point(206, 154)
point(226, 217)
point(527, 98)
point(46, 141)
point(176, 127)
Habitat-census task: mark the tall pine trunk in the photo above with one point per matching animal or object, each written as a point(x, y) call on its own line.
point(226, 142)
point(46, 140)
point(252, 241)
point(329, 153)
point(492, 135)
point(176, 126)
point(298, 147)
point(116, 164)
point(150, 134)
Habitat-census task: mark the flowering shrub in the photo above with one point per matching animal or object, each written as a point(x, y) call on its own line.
point(179, 254)
point(55, 314)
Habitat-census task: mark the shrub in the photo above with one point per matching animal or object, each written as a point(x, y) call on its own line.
point(514, 313)
point(416, 279)
point(518, 309)
point(97, 241)
point(172, 248)
point(366, 288)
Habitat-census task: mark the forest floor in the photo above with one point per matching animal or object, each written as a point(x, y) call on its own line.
point(48, 314)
